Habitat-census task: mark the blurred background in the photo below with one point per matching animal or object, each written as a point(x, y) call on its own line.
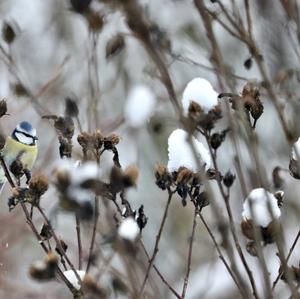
point(59, 53)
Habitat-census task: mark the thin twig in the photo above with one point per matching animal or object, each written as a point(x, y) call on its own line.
point(33, 228)
point(79, 242)
point(231, 222)
point(172, 290)
point(280, 271)
point(188, 270)
point(155, 251)
point(96, 217)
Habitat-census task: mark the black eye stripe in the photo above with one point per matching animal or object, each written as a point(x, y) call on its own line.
point(25, 134)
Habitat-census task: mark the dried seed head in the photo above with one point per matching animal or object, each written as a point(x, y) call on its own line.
point(2, 141)
point(62, 179)
point(44, 270)
point(202, 200)
point(46, 232)
point(270, 232)
point(131, 174)
point(111, 141)
point(294, 169)
point(279, 195)
point(184, 176)
point(8, 32)
point(65, 147)
point(251, 248)
point(38, 184)
point(20, 90)
point(217, 139)
point(95, 21)
point(277, 179)
point(64, 247)
point(115, 45)
point(71, 108)
point(163, 177)
point(92, 289)
point(3, 108)
point(16, 168)
point(98, 139)
point(119, 286)
point(86, 140)
point(228, 179)
point(80, 6)
point(248, 229)
point(195, 111)
point(65, 126)
point(248, 63)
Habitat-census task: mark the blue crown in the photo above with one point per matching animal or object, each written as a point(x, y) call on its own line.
point(26, 126)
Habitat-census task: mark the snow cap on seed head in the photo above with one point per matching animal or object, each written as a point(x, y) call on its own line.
point(199, 90)
point(263, 204)
point(181, 155)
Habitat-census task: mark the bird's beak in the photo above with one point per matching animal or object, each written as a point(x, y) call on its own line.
point(35, 138)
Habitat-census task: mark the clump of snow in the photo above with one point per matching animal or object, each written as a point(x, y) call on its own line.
point(129, 229)
point(296, 147)
point(261, 202)
point(70, 275)
point(77, 171)
point(199, 90)
point(139, 106)
point(180, 152)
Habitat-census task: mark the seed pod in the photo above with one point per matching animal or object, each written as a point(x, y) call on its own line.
point(71, 108)
point(80, 6)
point(8, 33)
point(115, 45)
point(228, 179)
point(3, 108)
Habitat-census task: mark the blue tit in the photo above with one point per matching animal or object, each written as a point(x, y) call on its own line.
point(22, 144)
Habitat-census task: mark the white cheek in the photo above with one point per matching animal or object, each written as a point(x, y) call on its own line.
point(24, 139)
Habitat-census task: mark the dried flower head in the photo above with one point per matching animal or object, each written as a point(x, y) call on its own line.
point(8, 32)
point(44, 270)
point(71, 108)
point(2, 141)
point(38, 184)
point(3, 108)
point(80, 6)
point(115, 45)
point(111, 141)
point(131, 174)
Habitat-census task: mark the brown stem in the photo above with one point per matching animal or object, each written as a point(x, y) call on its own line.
point(280, 271)
point(188, 270)
point(32, 226)
point(58, 243)
point(79, 242)
point(155, 251)
point(96, 217)
point(172, 290)
point(231, 223)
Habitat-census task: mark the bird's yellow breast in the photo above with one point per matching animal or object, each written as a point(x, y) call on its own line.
point(14, 149)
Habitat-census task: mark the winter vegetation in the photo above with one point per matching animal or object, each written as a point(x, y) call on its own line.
point(168, 149)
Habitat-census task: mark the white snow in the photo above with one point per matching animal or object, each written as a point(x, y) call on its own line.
point(296, 147)
point(200, 91)
point(129, 229)
point(79, 172)
point(139, 106)
point(263, 204)
point(70, 275)
point(180, 152)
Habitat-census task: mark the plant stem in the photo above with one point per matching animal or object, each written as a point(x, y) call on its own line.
point(155, 251)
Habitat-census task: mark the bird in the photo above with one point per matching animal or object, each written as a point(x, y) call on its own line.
point(21, 144)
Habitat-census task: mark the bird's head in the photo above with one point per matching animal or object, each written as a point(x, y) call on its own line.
point(25, 133)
